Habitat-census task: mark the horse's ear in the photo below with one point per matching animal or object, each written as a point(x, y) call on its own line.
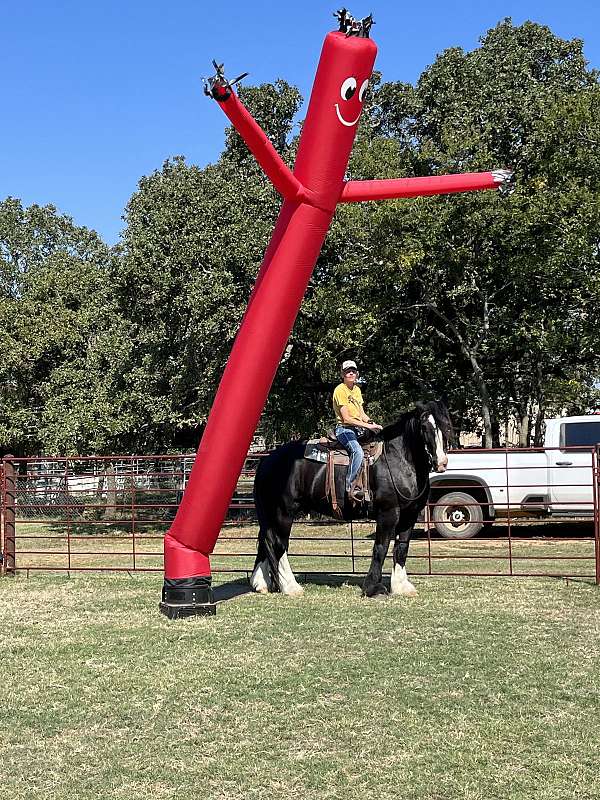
point(422, 410)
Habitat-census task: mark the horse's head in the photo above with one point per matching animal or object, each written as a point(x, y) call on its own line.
point(436, 429)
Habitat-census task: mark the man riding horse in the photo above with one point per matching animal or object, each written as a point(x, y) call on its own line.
point(351, 420)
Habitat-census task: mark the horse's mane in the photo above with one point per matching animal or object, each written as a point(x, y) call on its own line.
point(409, 421)
point(404, 424)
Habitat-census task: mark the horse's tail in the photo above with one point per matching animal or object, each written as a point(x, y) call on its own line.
point(265, 551)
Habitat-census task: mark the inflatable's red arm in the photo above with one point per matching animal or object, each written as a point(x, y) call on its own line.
point(357, 191)
point(274, 167)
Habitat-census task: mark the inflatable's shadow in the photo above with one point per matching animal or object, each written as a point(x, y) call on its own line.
point(230, 590)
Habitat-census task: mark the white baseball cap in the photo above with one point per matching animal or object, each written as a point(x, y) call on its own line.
point(349, 365)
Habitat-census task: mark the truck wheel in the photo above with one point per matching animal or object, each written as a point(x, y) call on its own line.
point(456, 515)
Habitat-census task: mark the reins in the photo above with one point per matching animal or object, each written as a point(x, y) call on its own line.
point(398, 492)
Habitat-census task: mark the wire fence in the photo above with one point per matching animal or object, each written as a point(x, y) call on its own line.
point(111, 513)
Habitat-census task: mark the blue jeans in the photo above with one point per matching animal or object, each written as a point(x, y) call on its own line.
point(346, 436)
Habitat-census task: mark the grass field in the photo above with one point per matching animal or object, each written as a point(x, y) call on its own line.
point(477, 689)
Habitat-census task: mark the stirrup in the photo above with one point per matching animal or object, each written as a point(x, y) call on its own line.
point(356, 494)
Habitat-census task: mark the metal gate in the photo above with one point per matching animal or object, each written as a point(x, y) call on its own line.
point(110, 514)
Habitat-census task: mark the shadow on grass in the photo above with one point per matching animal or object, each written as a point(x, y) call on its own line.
point(331, 579)
point(230, 590)
point(100, 529)
point(239, 587)
point(519, 529)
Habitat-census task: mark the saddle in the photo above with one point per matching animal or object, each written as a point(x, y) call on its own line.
point(327, 450)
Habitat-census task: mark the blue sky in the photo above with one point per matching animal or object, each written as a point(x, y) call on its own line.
point(95, 95)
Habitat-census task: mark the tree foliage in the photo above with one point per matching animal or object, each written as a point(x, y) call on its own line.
point(54, 309)
point(490, 300)
point(192, 246)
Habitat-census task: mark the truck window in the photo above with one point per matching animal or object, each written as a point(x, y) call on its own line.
point(584, 434)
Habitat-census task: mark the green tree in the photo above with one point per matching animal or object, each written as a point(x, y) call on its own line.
point(502, 290)
point(54, 310)
point(192, 246)
point(490, 300)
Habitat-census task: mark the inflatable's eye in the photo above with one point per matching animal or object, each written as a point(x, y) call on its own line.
point(348, 89)
point(362, 90)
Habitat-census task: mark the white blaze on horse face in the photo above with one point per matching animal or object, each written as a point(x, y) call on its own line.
point(440, 454)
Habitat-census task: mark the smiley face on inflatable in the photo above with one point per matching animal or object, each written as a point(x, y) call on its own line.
point(333, 113)
point(348, 92)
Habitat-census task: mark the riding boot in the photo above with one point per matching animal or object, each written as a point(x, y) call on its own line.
point(356, 493)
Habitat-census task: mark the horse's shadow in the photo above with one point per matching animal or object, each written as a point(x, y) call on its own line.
point(332, 580)
point(223, 592)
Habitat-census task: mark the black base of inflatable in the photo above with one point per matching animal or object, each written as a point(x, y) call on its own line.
point(173, 611)
point(187, 597)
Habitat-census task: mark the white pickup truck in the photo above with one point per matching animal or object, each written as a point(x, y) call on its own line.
point(482, 485)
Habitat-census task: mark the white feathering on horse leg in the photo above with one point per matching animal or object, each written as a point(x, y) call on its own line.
point(287, 582)
point(258, 581)
point(400, 583)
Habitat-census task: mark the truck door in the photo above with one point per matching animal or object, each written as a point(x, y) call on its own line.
point(570, 468)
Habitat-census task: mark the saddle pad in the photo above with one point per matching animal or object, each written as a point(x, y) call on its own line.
point(316, 451)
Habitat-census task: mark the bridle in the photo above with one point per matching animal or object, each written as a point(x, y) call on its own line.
point(426, 482)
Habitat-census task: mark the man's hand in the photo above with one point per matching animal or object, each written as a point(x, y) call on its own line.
point(373, 426)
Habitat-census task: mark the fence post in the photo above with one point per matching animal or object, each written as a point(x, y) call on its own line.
point(596, 493)
point(1, 518)
point(8, 565)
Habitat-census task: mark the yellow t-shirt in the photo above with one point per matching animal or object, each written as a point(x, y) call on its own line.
point(352, 398)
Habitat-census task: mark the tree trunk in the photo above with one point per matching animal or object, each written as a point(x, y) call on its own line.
point(524, 430)
point(488, 437)
point(495, 431)
point(541, 409)
point(538, 439)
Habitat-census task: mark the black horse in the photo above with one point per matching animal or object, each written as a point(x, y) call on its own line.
point(286, 483)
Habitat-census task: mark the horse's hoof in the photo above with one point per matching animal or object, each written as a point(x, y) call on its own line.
point(406, 590)
point(380, 596)
point(259, 580)
point(295, 592)
point(378, 591)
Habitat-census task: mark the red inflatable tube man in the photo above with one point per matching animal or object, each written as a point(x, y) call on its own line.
point(310, 194)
